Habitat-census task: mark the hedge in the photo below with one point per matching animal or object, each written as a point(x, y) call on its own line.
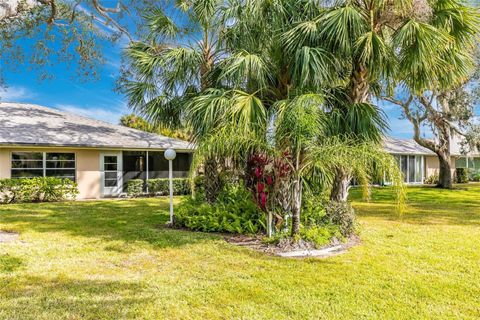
point(40, 189)
point(135, 187)
point(462, 175)
point(181, 186)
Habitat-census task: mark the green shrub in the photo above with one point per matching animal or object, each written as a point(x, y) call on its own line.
point(342, 215)
point(233, 212)
point(462, 175)
point(38, 189)
point(313, 211)
point(320, 235)
point(199, 184)
point(433, 179)
point(476, 176)
point(181, 186)
point(135, 187)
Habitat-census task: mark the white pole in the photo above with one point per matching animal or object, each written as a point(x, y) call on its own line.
point(146, 176)
point(170, 154)
point(170, 182)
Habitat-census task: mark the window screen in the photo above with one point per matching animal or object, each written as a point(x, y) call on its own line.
point(40, 164)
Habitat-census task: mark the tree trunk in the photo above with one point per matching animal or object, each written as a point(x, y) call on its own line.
point(341, 185)
point(296, 206)
point(359, 85)
point(212, 180)
point(359, 91)
point(445, 173)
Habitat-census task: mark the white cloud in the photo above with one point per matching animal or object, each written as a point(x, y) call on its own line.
point(15, 94)
point(107, 114)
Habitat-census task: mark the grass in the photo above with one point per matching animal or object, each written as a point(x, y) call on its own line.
point(111, 260)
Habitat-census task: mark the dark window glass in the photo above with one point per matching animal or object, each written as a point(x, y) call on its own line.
point(110, 175)
point(27, 156)
point(111, 183)
point(182, 162)
point(411, 169)
point(27, 164)
point(27, 173)
point(110, 167)
point(61, 164)
point(110, 159)
point(157, 161)
point(30, 164)
point(60, 173)
point(61, 156)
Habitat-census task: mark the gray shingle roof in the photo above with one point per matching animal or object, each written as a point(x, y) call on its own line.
point(33, 125)
point(404, 146)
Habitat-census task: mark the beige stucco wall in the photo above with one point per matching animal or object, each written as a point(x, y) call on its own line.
point(87, 163)
point(432, 166)
point(88, 174)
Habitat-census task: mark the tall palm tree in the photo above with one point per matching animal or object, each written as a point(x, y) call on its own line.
point(380, 41)
point(357, 123)
point(298, 142)
point(175, 60)
point(264, 79)
point(175, 63)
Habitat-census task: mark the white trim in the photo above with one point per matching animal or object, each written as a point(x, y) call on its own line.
point(111, 191)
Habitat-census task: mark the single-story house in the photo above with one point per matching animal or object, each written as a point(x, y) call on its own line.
point(418, 163)
point(101, 157)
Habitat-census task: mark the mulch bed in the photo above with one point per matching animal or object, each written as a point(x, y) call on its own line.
point(285, 248)
point(291, 249)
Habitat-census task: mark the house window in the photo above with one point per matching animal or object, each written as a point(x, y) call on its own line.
point(412, 168)
point(43, 164)
point(27, 164)
point(110, 167)
point(470, 163)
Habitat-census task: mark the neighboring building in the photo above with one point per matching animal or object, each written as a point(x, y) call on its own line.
point(418, 163)
point(36, 141)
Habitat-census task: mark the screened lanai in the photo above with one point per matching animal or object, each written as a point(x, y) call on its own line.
point(136, 166)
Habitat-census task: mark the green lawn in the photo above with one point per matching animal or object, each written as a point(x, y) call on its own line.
point(110, 260)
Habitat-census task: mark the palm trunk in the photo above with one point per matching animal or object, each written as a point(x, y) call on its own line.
point(359, 85)
point(341, 185)
point(359, 91)
point(296, 206)
point(212, 180)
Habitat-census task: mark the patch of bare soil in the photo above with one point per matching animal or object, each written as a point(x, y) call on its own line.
point(8, 236)
point(292, 249)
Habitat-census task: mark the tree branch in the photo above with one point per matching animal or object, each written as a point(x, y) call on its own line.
point(103, 11)
point(416, 120)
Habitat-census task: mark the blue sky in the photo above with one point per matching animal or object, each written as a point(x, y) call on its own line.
point(88, 97)
point(97, 99)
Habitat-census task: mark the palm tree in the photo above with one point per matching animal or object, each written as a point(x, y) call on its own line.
point(175, 63)
point(380, 41)
point(267, 93)
point(298, 141)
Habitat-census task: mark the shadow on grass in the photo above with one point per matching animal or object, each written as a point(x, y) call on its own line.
point(60, 298)
point(130, 221)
